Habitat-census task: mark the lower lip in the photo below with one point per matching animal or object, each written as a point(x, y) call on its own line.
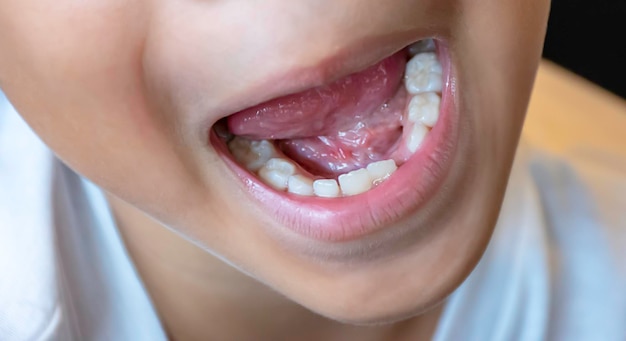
point(350, 218)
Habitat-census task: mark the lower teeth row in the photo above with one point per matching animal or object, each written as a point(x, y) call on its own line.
point(423, 82)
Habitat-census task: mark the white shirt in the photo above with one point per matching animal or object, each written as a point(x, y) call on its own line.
point(555, 268)
point(64, 272)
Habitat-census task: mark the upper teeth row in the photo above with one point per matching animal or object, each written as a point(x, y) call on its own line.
point(423, 81)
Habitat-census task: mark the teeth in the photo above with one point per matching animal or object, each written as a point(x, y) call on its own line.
point(281, 174)
point(300, 184)
point(423, 80)
point(423, 74)
point(424, 108)
point(252, 154)
point(426, 45)
point(381, 170)
point(327, 188)
point(414, 140)
point(355, 182)
point(276, 173)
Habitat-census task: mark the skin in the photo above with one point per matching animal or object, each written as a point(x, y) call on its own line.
point(124, 91)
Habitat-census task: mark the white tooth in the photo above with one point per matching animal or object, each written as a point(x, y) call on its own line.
point(355, 182)
point(424, 108)
point(414, 140)
point(300, 184)
point(327, 188)
point(381, 170)
point(252, 154)
point(426, 45)
point(423, 74)
point(276, 173)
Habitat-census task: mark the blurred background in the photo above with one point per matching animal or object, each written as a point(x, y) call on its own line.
point(588, 37)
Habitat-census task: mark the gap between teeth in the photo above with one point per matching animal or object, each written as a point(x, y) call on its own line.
point(423, 82)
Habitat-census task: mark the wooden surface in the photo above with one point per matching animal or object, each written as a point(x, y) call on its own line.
point(567, 112)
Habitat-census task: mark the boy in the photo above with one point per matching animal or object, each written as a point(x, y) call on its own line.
point(276, 169)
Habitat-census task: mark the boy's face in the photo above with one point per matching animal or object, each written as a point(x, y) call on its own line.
point(128, 93)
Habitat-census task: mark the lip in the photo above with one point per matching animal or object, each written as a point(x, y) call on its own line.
point(355, 56)
point(350, 218)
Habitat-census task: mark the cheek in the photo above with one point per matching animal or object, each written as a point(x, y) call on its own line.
point(72, 73)
point(498, 46)
point(75, 75)
point(503, 49)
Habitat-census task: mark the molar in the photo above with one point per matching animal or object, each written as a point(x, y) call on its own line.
point(276, 173)
point(424, 108)
point(252, 154)
point(423, 74)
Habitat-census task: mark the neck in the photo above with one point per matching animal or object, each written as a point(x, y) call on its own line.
point(198, 296)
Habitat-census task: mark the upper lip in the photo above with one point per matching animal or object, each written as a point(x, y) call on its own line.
point(352, 57)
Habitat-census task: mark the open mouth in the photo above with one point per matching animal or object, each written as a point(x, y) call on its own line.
point(343, 160)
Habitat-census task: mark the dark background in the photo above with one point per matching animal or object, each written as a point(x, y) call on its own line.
point(588, 37)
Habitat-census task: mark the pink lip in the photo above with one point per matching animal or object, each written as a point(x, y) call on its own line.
point(349, 218)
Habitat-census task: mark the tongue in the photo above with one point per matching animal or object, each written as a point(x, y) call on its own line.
point(323, 110)
point(337, 127)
